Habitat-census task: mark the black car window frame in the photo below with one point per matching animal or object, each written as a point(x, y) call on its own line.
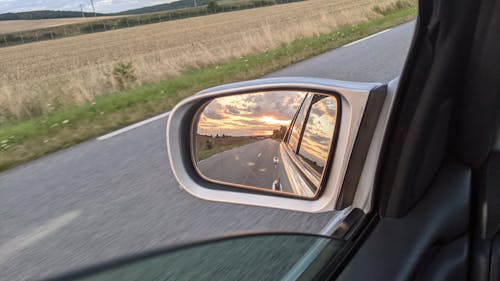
point(304, 163)
point(292, 122)
point(316, 181)
point(306, 104)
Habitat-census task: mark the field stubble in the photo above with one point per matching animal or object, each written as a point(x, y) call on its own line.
point(42, 77)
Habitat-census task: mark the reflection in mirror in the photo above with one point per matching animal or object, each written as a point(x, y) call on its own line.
point(277, 141)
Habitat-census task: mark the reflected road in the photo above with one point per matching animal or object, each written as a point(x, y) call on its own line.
point(251, 164)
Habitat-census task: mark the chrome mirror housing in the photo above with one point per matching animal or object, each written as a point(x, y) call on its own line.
point(282, 143)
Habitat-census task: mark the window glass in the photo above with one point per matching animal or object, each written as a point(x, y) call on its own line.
point(318, 133)
point(297, 126)
point(256, 257)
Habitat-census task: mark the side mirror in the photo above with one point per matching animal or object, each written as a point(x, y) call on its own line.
point(271, 141)
point(281, 143)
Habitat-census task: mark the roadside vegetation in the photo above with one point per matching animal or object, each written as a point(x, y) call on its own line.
point(60, 101)
point(207, 146)
point(48, 76)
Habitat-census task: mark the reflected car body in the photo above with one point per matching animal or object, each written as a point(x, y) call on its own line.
point(290, 178)
point(306, 148)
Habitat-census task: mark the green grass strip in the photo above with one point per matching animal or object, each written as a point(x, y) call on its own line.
point(30, 139)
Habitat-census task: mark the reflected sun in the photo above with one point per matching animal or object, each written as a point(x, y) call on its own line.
point(272, 121)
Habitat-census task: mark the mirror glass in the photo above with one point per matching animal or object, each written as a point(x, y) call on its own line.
point(278, 141)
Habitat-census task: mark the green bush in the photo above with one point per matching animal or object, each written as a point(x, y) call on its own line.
point(208, 145)
point(124, 73)
point(212, 6)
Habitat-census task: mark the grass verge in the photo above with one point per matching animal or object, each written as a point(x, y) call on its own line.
point(27, 140)
point(208, 146)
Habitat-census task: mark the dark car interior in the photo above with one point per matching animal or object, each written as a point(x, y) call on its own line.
point(438, 184)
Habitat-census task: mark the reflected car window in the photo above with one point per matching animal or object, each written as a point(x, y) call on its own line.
point(318, 133)
point(297, 126)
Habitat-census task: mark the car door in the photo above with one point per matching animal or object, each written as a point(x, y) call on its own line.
point(428, 167)
point(429, 178)
point(417, 158)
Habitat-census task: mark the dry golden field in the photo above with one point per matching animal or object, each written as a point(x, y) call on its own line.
point(39, 77)
point(10, 26)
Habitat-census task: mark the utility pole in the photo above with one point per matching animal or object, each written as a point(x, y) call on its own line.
point(195, 4)
point(93, 7)
point(81, 9)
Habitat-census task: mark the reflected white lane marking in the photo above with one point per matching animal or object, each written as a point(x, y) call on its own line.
point(23, 241)
point(133, 126)
point(366, 38)
point(259, 155)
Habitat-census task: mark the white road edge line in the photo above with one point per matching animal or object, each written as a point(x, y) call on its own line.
point(366, 38)
point(23, 241)
point(133, 126)
point(136, 125)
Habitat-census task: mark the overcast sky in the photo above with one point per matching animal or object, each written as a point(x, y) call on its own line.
point(102, 6)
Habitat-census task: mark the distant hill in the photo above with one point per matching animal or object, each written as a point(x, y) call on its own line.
point(181, 4)
point(45, 14)
point(50, 14)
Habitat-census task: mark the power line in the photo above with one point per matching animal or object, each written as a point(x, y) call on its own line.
point(93, 7)
point(81, 9)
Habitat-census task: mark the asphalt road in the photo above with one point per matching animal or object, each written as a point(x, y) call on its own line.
point(251, 164)
point(108, 198)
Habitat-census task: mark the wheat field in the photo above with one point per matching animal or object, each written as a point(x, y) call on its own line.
point(41, 77)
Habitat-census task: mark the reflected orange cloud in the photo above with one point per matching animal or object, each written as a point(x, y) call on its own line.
point(256, 114)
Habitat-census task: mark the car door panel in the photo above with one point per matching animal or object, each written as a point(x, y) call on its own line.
point(446, 262)
point(404, 244)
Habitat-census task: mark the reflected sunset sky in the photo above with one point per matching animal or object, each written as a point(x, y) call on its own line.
point(319, 130)
point(255, 114)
